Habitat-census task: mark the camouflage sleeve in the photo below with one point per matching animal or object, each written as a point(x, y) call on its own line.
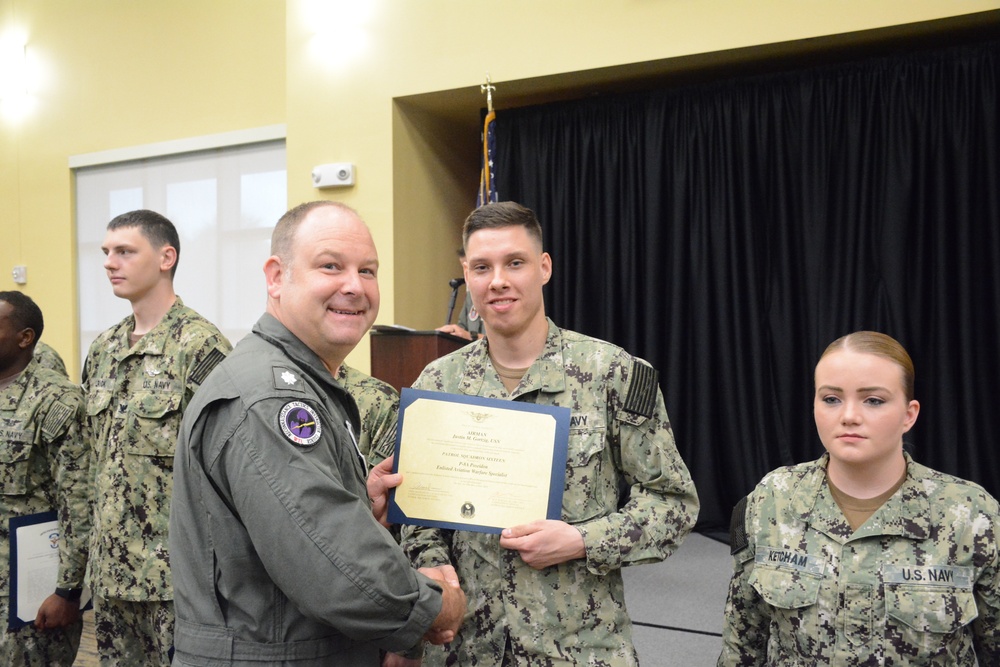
point(380, 426)
point(205, 356)
point(62, 430)
point(986, 627)
point(426, 547)
point(659, 501)
point(745, 625)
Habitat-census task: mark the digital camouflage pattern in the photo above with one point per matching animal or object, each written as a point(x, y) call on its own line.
point(44, 466)
point(378, 403)
point(918, 584)
point(28, 647)
point(627, 491)
point(125, 629)
point(48, 358)
point(135, 399)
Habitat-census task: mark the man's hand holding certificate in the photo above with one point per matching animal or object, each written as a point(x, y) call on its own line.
point(479, 464)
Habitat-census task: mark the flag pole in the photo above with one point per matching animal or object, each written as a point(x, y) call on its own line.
point(488, 88)
point(487, 184)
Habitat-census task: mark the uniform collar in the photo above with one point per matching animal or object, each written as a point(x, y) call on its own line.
point(11, 396)
point(547, 374)
point(274, 332)
point(905, 514)
point(153, 342)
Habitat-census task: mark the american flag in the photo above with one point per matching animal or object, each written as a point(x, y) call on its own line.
point(487, 182)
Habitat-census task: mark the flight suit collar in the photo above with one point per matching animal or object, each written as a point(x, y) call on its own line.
point(301, 355)
point(905, 514)
point(547, 374)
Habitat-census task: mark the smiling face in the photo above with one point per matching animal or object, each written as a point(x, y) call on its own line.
point(326, 290)
point(505, 270)
point(861, 409)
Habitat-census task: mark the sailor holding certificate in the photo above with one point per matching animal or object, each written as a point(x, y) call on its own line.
point(550, 591)
point(44, 466)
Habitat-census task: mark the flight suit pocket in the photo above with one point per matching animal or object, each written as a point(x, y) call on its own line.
point(15, 452)
point(591, 490)
point(153, 424)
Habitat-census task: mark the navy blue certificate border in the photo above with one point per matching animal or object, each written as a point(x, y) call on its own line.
point(557, 466)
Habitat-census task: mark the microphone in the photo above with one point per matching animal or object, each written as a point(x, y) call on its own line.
point(454, 284)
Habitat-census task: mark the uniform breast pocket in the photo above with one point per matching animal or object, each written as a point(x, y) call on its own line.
point(591, 482)
point(929, 618)
point(793, 596)
point(153, 423)
point(97, 402)
point(15, 452)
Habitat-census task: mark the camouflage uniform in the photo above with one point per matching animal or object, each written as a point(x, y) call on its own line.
point(44, 466)
point(48, 358)
point(917, 584)
point(378, 403)
point(135, 399)
point(627, 491)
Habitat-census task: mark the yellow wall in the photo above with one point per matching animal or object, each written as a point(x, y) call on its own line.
point(119, 73)
point(348, 86)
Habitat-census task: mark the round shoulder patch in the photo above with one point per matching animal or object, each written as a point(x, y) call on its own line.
point(300, 423)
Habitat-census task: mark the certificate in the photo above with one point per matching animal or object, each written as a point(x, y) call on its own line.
point(478, 464)
point(34, 566)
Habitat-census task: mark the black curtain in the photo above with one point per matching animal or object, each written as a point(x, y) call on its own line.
point(728, 232)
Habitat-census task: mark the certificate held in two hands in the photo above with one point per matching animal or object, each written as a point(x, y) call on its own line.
point(480, 464)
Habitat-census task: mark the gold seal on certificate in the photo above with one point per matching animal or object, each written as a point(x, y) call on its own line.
point(481, 464)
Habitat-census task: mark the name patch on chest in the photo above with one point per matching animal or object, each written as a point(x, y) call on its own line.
point(786, 558)
point(13, 433)
point(929, 575)
point(106, 384)
point(161, 384)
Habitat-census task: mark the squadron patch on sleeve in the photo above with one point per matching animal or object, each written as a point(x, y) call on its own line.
point(300, 423)
point(641, 397)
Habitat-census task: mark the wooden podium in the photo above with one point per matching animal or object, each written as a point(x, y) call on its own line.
point(398, 355)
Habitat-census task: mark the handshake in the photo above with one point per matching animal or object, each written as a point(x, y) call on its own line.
point(449, 619)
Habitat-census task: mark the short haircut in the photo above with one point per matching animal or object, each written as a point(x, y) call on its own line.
point(498, 215)
point(283, 236)
point(880, 345)
point(24, 313)
point(156, 228)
